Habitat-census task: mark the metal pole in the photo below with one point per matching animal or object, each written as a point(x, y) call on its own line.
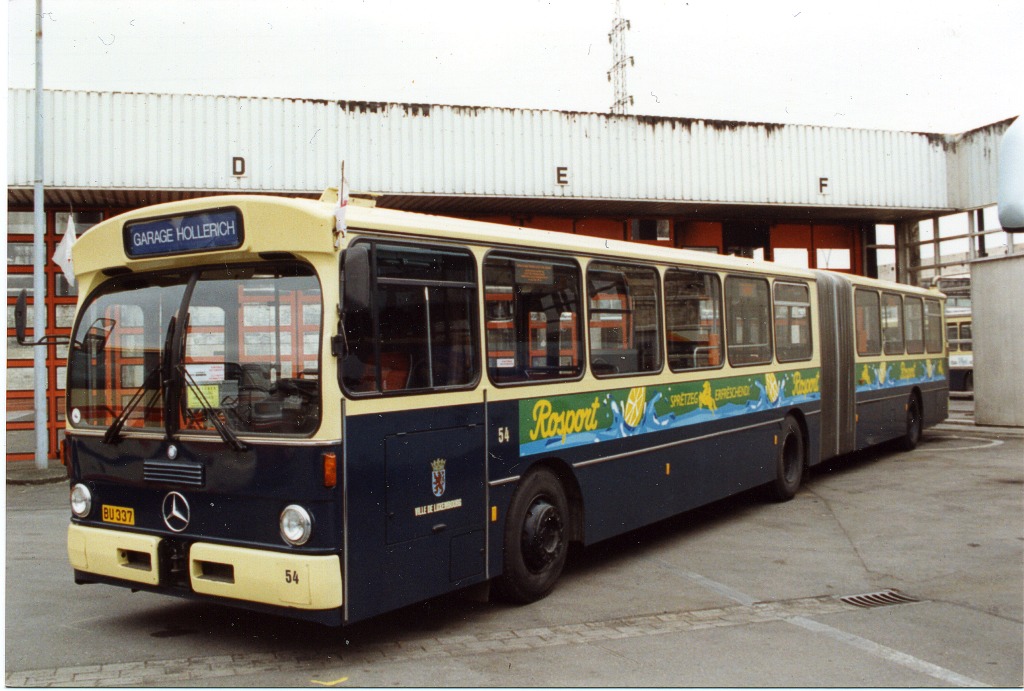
point(972, 236)
point(39, 264)
point(982, 251)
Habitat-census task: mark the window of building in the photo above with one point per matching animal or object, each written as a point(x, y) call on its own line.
point(791, 256)
point(748, 319)
point(834, 259)
point(792, 322)
point(868, 322)
point(650, 229)
point(21, 223)
point(624, 319)
point(693, 309)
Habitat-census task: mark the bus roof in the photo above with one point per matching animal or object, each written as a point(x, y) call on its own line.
point(310, 225)
point(864, 281)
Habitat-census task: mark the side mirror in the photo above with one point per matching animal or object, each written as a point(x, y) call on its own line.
point(21, 317)
point(356, 289)
point(21, 325)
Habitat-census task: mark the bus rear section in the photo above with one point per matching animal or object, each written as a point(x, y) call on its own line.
point(884, 363)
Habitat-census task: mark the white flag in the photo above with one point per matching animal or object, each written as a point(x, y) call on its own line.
point(62, 256)
point(339, 213)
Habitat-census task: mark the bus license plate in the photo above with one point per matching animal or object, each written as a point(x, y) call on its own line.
point(122, 515)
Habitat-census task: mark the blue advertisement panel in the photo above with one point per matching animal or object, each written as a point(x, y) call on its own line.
point(209, 230)
point(560, 422)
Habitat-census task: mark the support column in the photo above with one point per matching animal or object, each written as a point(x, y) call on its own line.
point(39, 266)
point(908, 253)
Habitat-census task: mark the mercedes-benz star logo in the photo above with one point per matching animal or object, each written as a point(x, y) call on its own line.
point(176, 512)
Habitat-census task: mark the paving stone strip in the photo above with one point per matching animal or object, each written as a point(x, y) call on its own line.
point(176, 672)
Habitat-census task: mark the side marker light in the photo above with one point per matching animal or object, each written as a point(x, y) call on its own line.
point(330, 470)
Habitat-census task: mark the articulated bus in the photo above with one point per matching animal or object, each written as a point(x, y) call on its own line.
point(266, 412)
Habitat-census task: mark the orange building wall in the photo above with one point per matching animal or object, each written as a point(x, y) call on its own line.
point(601, 228)
point(556, 223)
point(699, 234)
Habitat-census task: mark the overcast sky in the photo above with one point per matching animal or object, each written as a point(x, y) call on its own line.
point(936, 66)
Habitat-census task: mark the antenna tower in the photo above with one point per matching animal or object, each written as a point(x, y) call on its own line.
point(620, 61)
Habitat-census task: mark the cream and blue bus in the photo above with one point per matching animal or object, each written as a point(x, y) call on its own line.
point(268, 412)
point(960, 343)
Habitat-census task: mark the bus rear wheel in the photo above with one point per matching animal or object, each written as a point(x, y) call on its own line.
point(911, 438)
point(789, 463)
point(536, 543)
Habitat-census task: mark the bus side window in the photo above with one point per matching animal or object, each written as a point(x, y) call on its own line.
point(748, 320)
point(693, 311)
point(624, 323)
point(913, 315)
point(892, 323)
point(933, 326)
point(792, 322)
point(965, 337)
point(953, 337)
point(869, 330)
point(534, 318)
point(417, 334)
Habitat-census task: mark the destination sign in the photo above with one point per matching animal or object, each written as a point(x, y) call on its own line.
point(210, 230)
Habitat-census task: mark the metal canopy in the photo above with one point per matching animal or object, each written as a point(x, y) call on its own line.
point(506, 206)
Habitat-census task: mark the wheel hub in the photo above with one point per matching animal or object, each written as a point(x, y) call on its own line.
point(542, 535)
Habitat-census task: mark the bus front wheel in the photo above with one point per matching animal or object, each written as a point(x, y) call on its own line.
point(789, 463)
point(536, 543)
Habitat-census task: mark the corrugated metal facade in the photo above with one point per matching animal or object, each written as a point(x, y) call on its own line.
point(163, 142)
point(974, 167)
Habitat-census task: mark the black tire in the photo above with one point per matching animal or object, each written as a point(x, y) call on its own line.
point(789, 462)
point(912, 436)
point(536, 542)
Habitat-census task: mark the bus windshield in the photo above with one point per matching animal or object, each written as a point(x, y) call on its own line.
point(243, 354)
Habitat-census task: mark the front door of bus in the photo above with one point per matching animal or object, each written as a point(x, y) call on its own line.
point(435, 510)
point(415, 465)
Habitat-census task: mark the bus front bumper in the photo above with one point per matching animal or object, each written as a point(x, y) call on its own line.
point(297, 581)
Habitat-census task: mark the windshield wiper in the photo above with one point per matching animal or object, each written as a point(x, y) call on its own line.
point(113, 433)
point(225, 432)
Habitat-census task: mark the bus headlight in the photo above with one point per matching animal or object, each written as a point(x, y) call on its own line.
point(296, 525)
point(81, 501)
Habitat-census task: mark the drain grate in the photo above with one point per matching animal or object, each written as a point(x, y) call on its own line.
point(882, 599)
